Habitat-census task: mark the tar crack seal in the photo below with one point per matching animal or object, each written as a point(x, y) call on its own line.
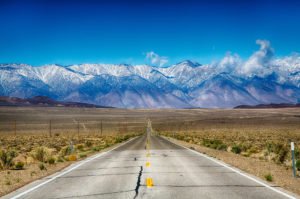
point(138, 183)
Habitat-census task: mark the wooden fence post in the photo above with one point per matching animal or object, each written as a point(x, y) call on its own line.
point(50, 128)
point(15, 127)
point(101, 127)
point(78, 129)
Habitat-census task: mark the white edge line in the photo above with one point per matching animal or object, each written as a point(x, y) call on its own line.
point(69, 170)
point(236, 171)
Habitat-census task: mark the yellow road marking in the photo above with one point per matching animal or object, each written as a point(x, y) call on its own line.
point(148, 164)
point(149, 182)
point(147, 144)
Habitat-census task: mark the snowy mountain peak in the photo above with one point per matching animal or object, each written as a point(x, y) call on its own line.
point(182, 85)
point(188, 63)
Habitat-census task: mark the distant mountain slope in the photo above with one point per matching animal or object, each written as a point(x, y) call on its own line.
point(221, 91)
point(183, 85)
point(41, 101)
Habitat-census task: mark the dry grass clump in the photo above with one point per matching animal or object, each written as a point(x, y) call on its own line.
point(72, 157)
point(6, 158)
point(19, 165)
point(40, 153)
point(215, 144)
point(269, 177)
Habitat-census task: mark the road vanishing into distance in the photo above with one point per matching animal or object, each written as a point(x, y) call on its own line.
point(148, 166)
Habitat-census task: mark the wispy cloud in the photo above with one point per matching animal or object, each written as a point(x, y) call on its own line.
point(260, 60)
point(230, 62)
point(156, 59)
point(260, 63)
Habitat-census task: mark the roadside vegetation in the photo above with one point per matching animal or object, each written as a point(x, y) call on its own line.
point(24, 158)
point(241, 143)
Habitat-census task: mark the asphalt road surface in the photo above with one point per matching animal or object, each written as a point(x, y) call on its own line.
point(147, 167)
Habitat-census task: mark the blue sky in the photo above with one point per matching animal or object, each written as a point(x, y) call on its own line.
point(68, 32)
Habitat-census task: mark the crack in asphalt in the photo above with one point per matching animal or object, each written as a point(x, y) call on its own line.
point(103, 168)
point(95, 194)
point(91, 175)
point(138, 183)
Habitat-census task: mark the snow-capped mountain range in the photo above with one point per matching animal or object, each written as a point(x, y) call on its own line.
point(230, 82)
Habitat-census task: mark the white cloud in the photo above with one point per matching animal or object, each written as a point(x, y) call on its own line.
point(229, 63)
point(259, 62)
point(156, 59)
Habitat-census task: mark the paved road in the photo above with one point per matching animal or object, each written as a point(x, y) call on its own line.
point(149, 167)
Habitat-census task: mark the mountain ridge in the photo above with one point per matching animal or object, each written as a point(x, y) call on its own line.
point(186, 84)
point(263, 106)
point(42, 101)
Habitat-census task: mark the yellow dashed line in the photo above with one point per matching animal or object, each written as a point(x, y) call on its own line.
point(147, 145)
point(148, 164)
point(149, 182)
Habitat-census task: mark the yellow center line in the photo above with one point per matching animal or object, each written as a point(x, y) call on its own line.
point(148, 164)
point(149, 182)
